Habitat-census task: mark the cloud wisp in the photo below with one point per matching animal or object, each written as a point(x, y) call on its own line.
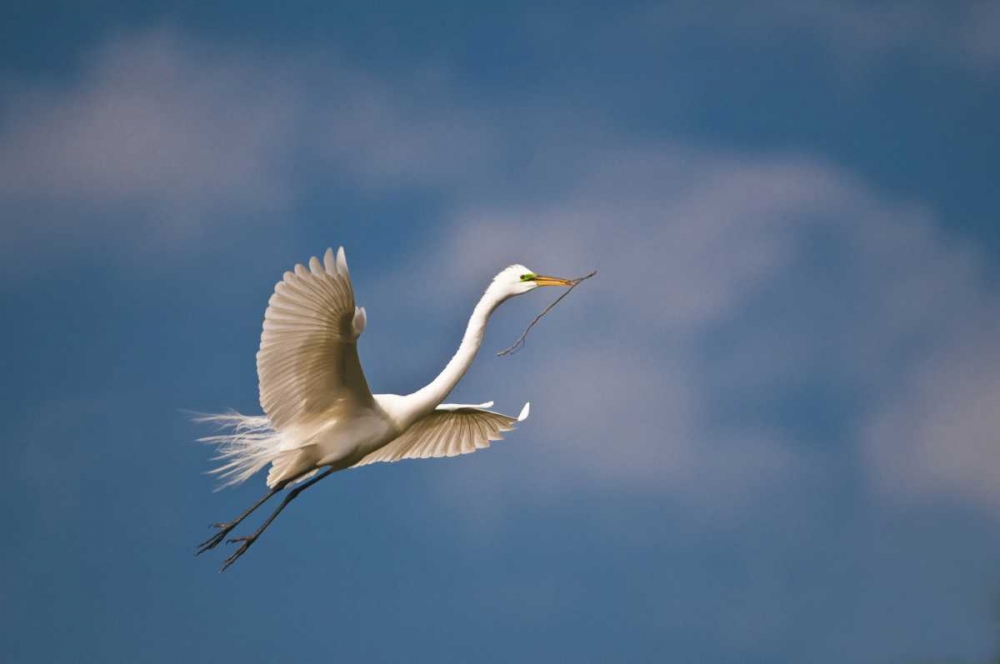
point(859, 35)
point(164, 137)
point(732, 287)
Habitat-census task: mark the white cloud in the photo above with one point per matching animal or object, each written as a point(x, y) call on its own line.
point(857, 33)
point(154, 121)
point(158, 136)
point(940, 435)
point(698, 227)
point(680, 237)
point(728, 284)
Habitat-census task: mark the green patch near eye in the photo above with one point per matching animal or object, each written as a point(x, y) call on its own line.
point(529, 276)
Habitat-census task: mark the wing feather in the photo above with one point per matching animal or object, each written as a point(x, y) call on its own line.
point(308, 359)
point(477, 431)
point(448, 431)
point(439, 448)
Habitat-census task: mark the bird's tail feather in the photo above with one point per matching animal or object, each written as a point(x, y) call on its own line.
point(246, 445)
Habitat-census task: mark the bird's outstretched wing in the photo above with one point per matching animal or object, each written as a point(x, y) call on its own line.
point(450, 430)
point(308, 358)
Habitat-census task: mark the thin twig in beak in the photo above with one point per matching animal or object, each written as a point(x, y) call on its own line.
point(520, 340)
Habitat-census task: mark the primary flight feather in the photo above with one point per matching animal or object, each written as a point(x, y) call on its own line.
point(319, 414)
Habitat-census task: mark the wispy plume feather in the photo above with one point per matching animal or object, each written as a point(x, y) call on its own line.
point(248, 445)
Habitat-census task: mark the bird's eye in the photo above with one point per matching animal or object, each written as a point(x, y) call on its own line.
point(527, 277)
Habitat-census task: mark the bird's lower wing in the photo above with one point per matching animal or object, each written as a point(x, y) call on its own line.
point(450, 430)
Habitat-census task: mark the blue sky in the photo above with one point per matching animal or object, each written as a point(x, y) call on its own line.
point(765, 433)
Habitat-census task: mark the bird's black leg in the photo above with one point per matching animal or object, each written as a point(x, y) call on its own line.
point(225, 528)
point(247, 541)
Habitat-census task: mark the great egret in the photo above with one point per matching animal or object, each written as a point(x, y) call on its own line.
point(320, 414)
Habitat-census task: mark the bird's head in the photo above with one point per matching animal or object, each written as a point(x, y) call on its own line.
point(518, 279)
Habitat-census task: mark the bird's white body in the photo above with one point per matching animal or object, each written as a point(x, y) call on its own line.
point(320, 413)
point(341, 439)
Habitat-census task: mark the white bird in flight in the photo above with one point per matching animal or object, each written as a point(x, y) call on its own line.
point(320, 415)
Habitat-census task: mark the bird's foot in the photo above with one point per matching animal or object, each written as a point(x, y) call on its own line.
point(246, 542)
point(216, 539)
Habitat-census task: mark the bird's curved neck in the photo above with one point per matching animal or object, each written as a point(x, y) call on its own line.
point(427, 399)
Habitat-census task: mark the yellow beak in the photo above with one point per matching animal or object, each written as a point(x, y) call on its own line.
point(552, 281)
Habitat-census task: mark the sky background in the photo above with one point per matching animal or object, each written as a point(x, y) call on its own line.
point(766, 432)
